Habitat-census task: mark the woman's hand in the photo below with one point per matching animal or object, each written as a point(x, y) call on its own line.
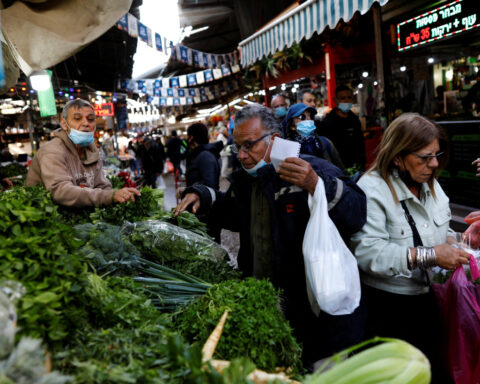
point(125, 194)
point(449, 257)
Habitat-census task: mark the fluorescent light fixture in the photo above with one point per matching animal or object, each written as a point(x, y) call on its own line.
point(360, 86)
point(403, 68)
point(284, 87)
point(272, 88)
point(364, 74)
point(430, 60)
point(40, 80)
point(294, 89)
point(375, 83)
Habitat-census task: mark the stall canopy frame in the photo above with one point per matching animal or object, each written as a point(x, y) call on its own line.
point(298, 23)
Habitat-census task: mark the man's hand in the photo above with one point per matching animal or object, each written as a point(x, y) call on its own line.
point(298, 172)
point(477, 163)
point(125, 194)
point(190, 199)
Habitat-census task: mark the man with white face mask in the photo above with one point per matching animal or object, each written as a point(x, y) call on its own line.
point(69, 165)
point(270, 210)
point(344, 129)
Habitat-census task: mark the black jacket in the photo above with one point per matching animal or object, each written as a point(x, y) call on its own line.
point(347, 136)
point(203, 165)
point(289, 214)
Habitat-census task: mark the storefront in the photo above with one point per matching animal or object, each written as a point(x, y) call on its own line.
point(434, 70)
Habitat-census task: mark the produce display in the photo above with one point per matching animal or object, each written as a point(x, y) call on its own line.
point(267, 339)
point(117, 298)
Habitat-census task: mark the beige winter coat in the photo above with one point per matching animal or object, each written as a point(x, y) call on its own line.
point(71, 181)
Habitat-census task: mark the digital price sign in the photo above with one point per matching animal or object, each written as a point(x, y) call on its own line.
point(448, 20)
point(104, 109)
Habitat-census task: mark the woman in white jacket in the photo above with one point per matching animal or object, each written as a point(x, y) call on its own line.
point(406, 233)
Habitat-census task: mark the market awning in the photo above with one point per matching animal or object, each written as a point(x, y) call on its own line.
point(300, 22)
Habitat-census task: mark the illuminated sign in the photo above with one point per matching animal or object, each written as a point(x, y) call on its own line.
point(104, 109)
point(447, 20)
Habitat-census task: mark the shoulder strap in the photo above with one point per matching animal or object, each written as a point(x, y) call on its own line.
point(417, 240)
point(326, 144)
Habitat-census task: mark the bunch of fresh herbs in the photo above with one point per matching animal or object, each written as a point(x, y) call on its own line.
point(255, 327)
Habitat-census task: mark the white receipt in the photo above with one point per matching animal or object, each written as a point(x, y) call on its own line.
point(282, 149)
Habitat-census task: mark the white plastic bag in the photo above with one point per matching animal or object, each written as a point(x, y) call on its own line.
point(333, 281)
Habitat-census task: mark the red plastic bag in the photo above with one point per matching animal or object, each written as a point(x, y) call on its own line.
point(459, 302)
point(169, 166)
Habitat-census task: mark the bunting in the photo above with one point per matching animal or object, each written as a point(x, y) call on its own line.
point(137, 29)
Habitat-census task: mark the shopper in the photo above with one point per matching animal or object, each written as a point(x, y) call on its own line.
point(174, 146)
point(306, 97)
point(270, 210)
point(279, 106)
point(69, 165)
point(299, 126)
point(202, 157)
point(407, 231)
point(152, 161)
point(344, 129)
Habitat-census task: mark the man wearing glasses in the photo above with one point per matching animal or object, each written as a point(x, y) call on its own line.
point(270, 210)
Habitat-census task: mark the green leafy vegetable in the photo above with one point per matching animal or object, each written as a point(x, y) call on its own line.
point(255, 327)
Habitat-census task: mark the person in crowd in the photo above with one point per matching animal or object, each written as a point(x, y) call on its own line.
point(279, 106)
point(225, 152)
point(299, 126)
point(270, 210)
point(406, 233)
point(203, 167)
point(152, 161)
point(174, 146)
point(306, 97)
point(108, 143)
point(134, 167)
point(202, 157)
point(69, 165)
point(344, 129)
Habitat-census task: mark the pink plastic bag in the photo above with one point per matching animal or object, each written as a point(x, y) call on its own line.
point(459, 303)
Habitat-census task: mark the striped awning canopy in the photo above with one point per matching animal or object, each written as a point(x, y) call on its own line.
point(300, 22)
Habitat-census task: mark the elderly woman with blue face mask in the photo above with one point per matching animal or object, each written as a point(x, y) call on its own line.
point(299, 126)
point(69, 165)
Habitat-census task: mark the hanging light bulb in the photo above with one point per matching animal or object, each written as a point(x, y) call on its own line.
point(40, 80)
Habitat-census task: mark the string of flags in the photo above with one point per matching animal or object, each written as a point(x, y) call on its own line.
point(135, 28)
point(184, 89)
point(180, 96)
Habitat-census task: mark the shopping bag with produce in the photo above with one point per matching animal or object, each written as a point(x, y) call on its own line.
point(459, 303)
point(333, 282)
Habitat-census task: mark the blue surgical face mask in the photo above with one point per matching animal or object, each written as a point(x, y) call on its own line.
point(82, 139)
point(306, 127)
point(280, 111)
point(254, 171)
point(345, 107)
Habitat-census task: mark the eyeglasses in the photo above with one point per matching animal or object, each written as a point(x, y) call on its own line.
point(427, 158)
point(247, 146)
point(302, 117)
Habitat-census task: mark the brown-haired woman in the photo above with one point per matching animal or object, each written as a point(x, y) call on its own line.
point(407, 232)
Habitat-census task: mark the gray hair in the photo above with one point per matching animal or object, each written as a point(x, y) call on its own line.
point(77, 103)
point(269, 121)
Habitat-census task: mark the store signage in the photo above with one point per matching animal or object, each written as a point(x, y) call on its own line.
point(447, 20)
point(104, 109)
